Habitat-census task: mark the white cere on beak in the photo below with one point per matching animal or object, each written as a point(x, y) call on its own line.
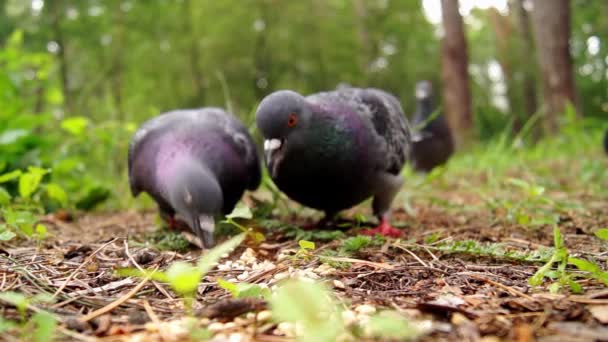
point(207, 223)
point(272, 144)
point(421, 93)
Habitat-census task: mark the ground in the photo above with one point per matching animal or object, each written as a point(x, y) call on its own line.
point(472, 242)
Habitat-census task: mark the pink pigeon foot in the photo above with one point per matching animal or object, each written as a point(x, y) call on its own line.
point(384, 229)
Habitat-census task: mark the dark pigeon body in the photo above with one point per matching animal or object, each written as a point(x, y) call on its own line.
point(433, 144)
point(193, 154)
point(606, 142)
point(345, 146)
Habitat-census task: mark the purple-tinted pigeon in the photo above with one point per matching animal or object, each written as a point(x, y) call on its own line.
point(195, 164)
point(433, 144)
point(606, 141)
point(332, 150)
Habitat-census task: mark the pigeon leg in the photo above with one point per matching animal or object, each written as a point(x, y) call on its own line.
point(388, 187)
point(327, 220)
point(169, 217)
point(384, 229)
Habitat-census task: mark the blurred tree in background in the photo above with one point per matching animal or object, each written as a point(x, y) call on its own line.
point(76, 77)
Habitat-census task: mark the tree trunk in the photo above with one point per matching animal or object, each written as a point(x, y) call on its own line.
point(527, 47)
point(454, 58)
point(551, 24)
point(56, 17)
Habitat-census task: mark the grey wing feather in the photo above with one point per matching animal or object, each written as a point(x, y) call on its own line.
point(390, 124)
point(243, 140)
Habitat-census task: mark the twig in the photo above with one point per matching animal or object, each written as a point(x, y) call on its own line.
point(76, 335)
point(86, 261)
point(497, 284)
point(107, 287)
point(359, 261)
point(156, 284)
point(412, 254)
point(151, 313)
point(155, 320)
point(115, 303)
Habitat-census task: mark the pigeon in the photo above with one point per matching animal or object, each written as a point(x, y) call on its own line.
point(606, 141)
point(195, 164)
point(432, 144)
point(332, 150)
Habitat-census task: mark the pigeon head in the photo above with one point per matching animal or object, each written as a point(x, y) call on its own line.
point(197, 198)
point(281, 117)
point(424, 90)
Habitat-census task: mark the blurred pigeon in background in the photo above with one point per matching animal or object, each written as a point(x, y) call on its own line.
point(332, 150)
point(195, 164)
point(432, 143)
point(606, 141)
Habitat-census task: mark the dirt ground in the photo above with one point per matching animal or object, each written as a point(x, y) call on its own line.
point(450, 295)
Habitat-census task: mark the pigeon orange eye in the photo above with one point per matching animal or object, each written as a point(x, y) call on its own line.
point(292, 120)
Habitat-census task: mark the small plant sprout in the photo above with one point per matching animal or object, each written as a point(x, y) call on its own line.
point(602, 234)
point(183, 277)
point(355, 243)
point(243, 212)
point(319, 317)
point(561, 258)
point(306, 250)
point(391, 325)
point(40, 327)
point(310, 305)
point(244, 290)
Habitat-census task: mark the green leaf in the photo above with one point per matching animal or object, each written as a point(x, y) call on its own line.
point(389, 324)
point(12, 135)
point(54, 96)
point(29, 181)
point(6, 325)
point(312, 306)
point(7, 235)
point(16, 299)
point(244, 290)
point(209, 260)
point(241, 212)
point(602, 234)
point(75, 125)
point(558, 241)
point(355, 243)
point(575, 287)
point(584, 265)
point(520, 183)
point(184, 278)
point(45, 326)
point(133, 272)
point(7, 177)
point(93, 197)
point(307, 245)
point(537, 278)
point(247, 290)
point(41, 231)
point(228, 286)
point(5, 197)
point(554, 288)
point(57, 193)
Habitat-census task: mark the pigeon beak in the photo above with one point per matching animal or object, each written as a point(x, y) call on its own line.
point(204, 226)
point(272, 147)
